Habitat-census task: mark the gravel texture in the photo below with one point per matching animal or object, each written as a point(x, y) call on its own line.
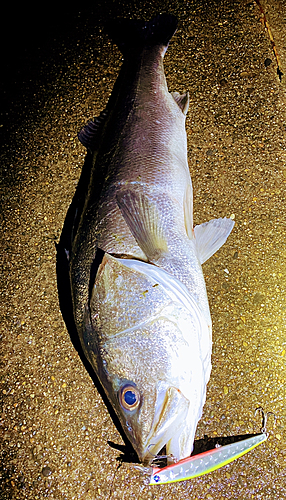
point(57, 438)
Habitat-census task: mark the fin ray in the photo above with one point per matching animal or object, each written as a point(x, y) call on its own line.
point(90, 133)
point(143, 220)
point(183, 101)
point(210, 236)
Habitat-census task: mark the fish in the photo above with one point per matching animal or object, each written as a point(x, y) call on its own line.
point(139, 297)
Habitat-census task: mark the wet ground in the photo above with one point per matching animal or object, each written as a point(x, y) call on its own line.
point(57, 437)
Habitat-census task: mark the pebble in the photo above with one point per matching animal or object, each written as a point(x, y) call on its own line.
point(46, 471)
point(241, 481)
point(258, 298)
point(267, 62)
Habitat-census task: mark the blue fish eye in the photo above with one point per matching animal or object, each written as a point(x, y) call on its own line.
point(129, 397)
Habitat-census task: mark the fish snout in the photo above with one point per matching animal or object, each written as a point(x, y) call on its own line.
point(170, 413)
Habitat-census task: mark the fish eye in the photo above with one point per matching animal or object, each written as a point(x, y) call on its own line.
point(129, 397)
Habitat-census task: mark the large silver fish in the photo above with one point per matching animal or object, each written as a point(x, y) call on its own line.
point(139, 296)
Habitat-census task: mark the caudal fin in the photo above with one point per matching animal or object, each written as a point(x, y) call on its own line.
point(132, 35)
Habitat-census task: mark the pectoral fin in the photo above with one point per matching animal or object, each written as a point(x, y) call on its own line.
point(210, 236)
point(143, 220)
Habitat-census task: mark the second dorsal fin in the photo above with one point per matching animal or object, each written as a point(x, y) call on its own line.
point(182, 100)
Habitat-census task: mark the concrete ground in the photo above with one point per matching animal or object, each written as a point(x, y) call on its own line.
point(57, 436)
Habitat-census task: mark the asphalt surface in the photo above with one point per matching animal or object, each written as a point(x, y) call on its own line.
point(58, 440)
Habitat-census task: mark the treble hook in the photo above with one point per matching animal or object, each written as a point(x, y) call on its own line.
point(159, 457)
point(264, 418)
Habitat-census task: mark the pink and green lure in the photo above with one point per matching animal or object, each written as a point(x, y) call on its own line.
point(195, 466)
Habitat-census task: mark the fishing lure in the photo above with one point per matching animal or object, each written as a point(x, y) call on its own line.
point(211, 460)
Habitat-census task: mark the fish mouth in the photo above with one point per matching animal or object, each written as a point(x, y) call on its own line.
point(170, 414)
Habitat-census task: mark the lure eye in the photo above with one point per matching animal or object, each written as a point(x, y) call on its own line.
point(129, 397)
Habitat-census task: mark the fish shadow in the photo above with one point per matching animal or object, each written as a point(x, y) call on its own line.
point(206, 443)
point(63, 251)
point(200, 446)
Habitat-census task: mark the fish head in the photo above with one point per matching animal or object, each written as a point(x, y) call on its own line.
point(145, 349)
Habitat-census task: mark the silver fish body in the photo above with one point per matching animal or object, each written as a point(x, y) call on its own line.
point(142, 311)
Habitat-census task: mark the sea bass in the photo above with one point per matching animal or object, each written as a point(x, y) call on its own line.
point(138, 291)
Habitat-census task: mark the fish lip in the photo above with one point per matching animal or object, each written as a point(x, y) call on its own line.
point(170, 413)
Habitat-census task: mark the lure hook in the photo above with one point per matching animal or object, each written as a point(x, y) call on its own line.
point(265, 416)
point(159, 457)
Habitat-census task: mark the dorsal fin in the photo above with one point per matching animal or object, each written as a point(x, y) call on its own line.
point(183, 101)
point(90, 133)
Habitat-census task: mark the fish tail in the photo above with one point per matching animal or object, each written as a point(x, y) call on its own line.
point(132, 35)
